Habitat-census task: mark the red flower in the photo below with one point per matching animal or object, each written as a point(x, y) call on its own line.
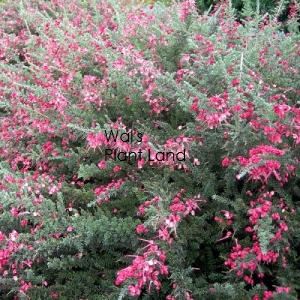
point(48, 147)
point(268, 295)
point(54, 295)
point(134, 291)
point(102, 164)
point(141, 228)
point(235, 82)
point(226, 162)
point(4, 257)
point(283, 289)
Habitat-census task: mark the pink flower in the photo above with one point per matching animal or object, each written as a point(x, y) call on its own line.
point(48, 147)
point(235, 82)
point(275, 216)
point(266, 149)
point(283, 289)
point(227, 214)
point(281, 110)
point(4, 257)
point(283, 226)
point(117, 169)
point(2, 236)
point(54, 295)
point(24, 222)
point(102, 164)
point(177, 207)
point(199, 37)
point(14, 211)
point(141, 228)
point(236, 107)
point(134, 291)
point(70, 229)
point(219, 220)
point(96, 140)
point(268, 295)
point(141, 210)
point(141, 163)
point(226, 162)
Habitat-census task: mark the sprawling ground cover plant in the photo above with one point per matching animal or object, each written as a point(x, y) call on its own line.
point(148, 152)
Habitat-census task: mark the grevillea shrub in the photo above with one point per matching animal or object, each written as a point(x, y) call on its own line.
point(263, 6)
point(148, 152)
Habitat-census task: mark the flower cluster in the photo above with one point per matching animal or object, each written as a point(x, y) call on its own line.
point(139, 267)
point(145, 268)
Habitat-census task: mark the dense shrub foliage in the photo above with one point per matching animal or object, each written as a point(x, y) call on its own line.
point(148, 151)
point(263, 5)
